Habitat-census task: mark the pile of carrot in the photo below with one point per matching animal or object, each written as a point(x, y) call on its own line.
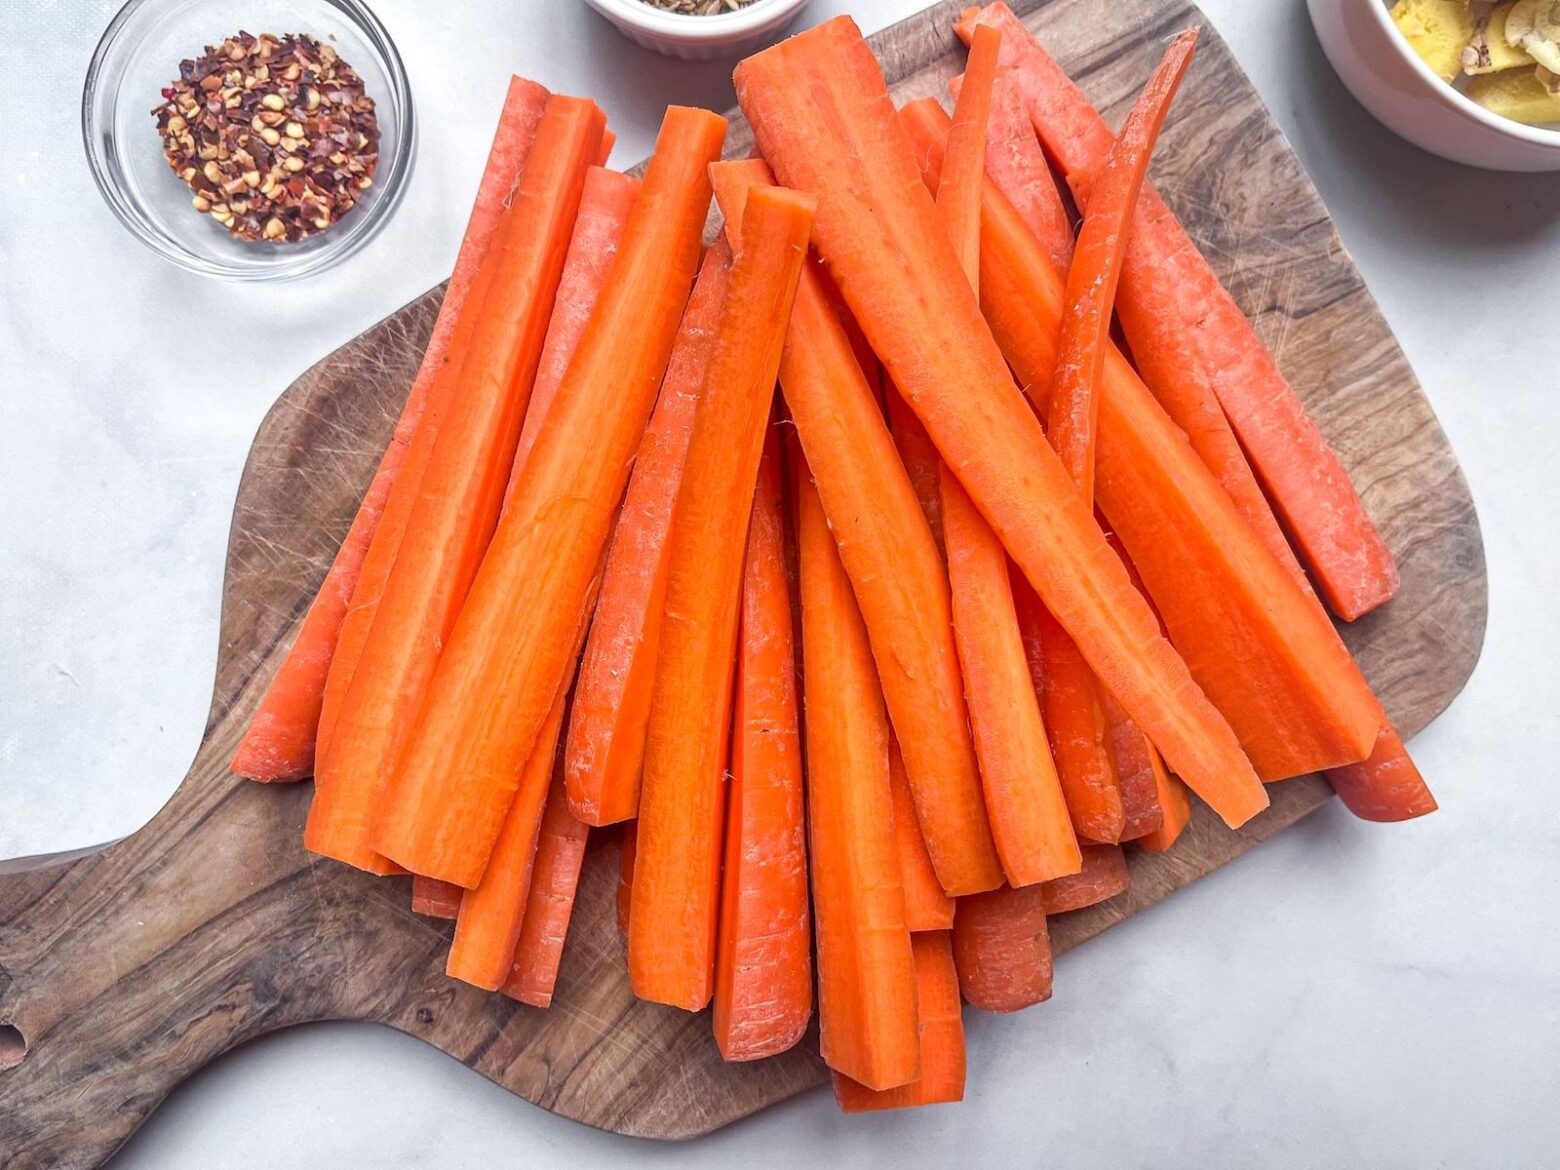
point(886, 574)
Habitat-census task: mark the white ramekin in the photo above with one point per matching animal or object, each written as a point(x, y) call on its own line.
point(1380, 68)
point(699, 38)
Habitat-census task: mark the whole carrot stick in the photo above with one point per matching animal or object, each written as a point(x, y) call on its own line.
point(462, 488)
point(612, 699)
point(900, 584)
point(1303, 476)
point(763, 960)
point(942, 1037)
point(868, 1021)
point(1266, 657)
point(1002, 949)
point(1017, 165)
point(1028, 814)
point(605, 203)
point(926, 906)
point(509, 652)
point(280, 741)
point(492, 912)
point(549, 901)
point(435, 899)
point(1073, 418)
point(1104, 875)
point(671, 933)
point(822, 116)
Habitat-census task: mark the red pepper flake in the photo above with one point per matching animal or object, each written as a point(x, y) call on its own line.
point(274, 135)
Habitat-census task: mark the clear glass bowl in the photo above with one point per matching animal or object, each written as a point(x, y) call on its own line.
point(140, 54)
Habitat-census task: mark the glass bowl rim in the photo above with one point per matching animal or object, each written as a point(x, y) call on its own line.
point(127, 211)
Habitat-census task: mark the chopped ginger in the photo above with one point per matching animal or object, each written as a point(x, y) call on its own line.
point(1516, 94)
point(1488, 50)
point(1437, 30)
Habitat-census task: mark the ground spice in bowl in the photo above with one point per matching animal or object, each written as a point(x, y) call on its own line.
point(274, 135)
point(699, 7)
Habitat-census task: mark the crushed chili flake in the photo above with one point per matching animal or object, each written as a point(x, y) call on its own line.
point(274, 135)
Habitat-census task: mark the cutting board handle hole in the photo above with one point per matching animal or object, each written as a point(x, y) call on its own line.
point(13, 1046)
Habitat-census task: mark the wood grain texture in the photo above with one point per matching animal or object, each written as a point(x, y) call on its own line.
point(125, 969)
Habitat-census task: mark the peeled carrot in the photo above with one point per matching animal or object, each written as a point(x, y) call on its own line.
point(941, 1033)
point(1140, 773)
point(1002, 949)
point(462, 487)
point(867, 1014)
point(1017, 165)
point(926, 906)
point(900, 585)
point(1175, 803)
point(549, 901)
point(1301, 473)
point(604, 206)
point(507, 656)
point(493, 911)
point(763, 959)
point(822, 116)
point(964, 162)
point(1024, 803)
point(1073, 417)
point(434, 898)
point(671, 935)
point(1260, 648)
point(280, 741)
point(1104, 875)
point(919, 455)
point(612, 700)
point(625, 887)
point(1075, 723)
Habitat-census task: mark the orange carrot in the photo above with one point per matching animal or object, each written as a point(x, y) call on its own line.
point(493, 911)
point(1260, 648)
point(604, 206)
point(608, 141)
point(1073, 418)
point(505, 661)
point(1017, 165)
point(1024, 802)
point(625, 888)
point(1140, 773)
point(1002, 948)
point(899, 583)
point(1104, 875)
point(822, 116)
point(941, 1033)
point(964, 162)
point(919, 455)
point(1303, 476)
point(280, 741)
point(1074, 721)
point(671, 935)
point(612, 700)
point(867, 1015)
point(462, 487)
point(763, 962)
point(1175, 802)
point(434, 899)
point(926, 906)
point(549, 901)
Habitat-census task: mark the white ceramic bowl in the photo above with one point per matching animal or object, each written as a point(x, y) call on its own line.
point(1389, 79)
point(699, 38)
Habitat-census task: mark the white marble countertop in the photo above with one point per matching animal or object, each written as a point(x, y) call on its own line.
point(1348, 995)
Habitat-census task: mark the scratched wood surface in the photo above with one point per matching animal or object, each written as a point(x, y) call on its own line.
point(125, 969)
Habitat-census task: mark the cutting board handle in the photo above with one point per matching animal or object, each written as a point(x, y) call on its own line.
point(125, 968)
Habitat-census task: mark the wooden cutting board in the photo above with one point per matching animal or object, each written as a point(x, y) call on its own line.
point(126, 968)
